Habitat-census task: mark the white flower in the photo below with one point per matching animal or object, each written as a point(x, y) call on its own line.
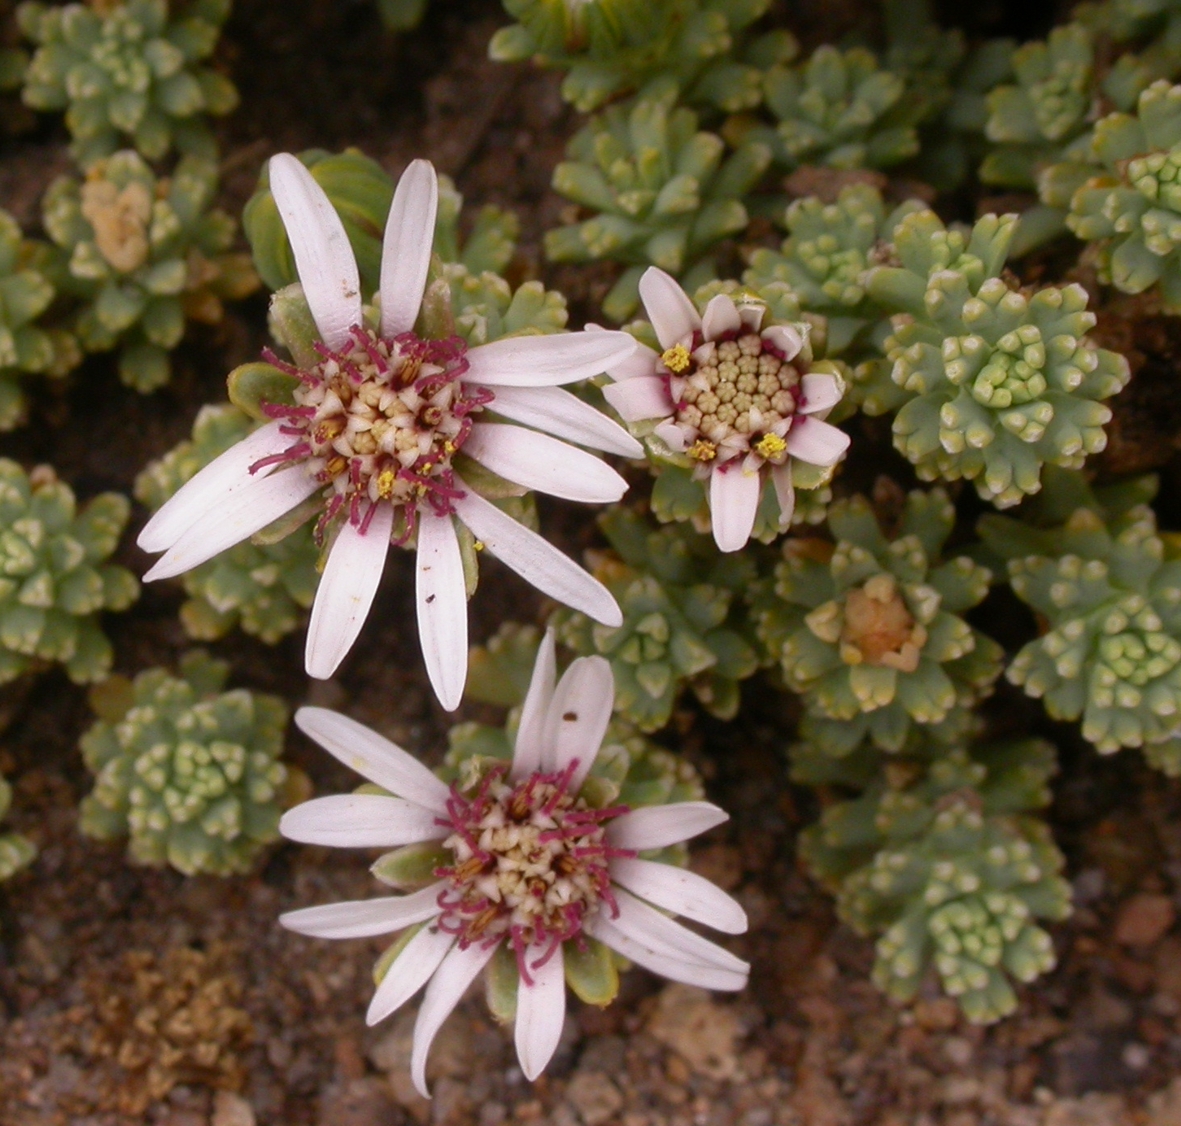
point(533, 866)
point(375, 427)
point(727, 395)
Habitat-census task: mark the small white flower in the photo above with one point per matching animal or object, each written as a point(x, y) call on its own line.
point(534, 867)
point(727, 395)
point(374, 429)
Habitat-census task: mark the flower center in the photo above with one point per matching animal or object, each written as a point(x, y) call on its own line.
point(381, 420)
point(879, 630)
point(531, 864)
point(733, 395)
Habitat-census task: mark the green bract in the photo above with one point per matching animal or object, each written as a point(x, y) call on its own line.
point(869, 631)
point(662, 193)
point(999, 382)
point(25, 293)
point(613, 47)
point(264, 588)
point(826, 255)
point(839, 108)
point(190, 772)
point(126, 72)
point(940, 857)
point(144, 255)
point(1109, 588)
point(16, 851)
point(54, 578)
point(1131, 209)
point(681, 626)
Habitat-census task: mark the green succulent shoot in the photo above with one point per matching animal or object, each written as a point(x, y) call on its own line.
point(144, 255)
point(189, 772)
point(263, 588)
point(1130, 209)
point(869, 631)
point(942, 857)
point(1045, 115)
point(998, 382)
point(16, 851)
point(128, 72)
point(1108, 587)
point(26, 291)
point(839, 109)
point(661, 192)
point(616, 47)
point(682, 624)
point(829, 248)
point(54, 576)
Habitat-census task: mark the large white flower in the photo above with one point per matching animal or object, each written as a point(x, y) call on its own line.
point(532, 866)
point(375, 426)
point(726, 394)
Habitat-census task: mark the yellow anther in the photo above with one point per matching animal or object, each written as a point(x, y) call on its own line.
point(701, 450)
point(676, 358)
point(770, 445)
point(385, 483)
point(478, 545)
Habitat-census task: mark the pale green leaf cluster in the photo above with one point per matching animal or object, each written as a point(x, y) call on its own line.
point(129, 73)
point(142, 255)
point(190, 773)
point(940, 856)
point(663, 193)
point(26, 292)
point(682, 620)
point(869, 630)
point(262, 588)
point(1108, 586)
point(998, 382)
point(1126, 200)
point(614, 47)
point(54, 576)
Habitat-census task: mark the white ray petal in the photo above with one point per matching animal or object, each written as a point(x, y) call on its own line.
point(785, 339)
point(225, 475)
point(816, 442)
point(785, 493)
point(672, 436)
point(536, 560)
point(361, 821)
point(411, 970)
point(668, 307)
point(658, 826)
point(557, 412)
point(406, 248)
point(680, 891)
point(639, 398)
point(374, 757)
point(658, 931)
point(231, 521)
point(441, 595)
point(361, 918)
point(541, 1011)
point(323, 257)
point(641, 362)
point(578, 718)
point(539, 462)
point(660, 962)
point(528, 752)
point(821, 391)
point(458, 970)
point(346, 591)
point(733, 504)
point(546, 361)
point(720, 316)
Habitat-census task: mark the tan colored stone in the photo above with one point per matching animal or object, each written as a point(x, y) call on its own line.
point(704, 1033)
point(1144, 920)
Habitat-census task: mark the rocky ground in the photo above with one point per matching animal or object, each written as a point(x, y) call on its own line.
point(132, 996)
